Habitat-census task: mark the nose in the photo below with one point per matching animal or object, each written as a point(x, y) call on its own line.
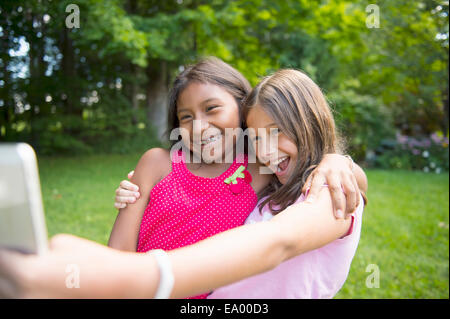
point(266, 150)
point(204, 125)
point(200, 125)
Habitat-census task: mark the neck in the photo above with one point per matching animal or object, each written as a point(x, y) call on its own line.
point(199, 159)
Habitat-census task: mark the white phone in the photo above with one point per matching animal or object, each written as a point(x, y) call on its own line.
point(22, 222)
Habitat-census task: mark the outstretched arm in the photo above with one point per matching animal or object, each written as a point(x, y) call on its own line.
point(252, 249)
point(214, 262)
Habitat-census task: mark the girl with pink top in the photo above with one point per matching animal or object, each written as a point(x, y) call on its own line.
point(281, 102)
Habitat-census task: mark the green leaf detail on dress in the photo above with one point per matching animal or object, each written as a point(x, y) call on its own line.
point(236, 174)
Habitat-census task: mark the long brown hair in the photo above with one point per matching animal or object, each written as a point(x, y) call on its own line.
point(301, 112)
point(210, 70)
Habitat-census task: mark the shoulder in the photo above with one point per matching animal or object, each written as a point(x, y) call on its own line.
point(156, 154)
point(155, 162)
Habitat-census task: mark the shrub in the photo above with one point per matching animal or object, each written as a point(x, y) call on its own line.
point(362, 120)
point(426, 153)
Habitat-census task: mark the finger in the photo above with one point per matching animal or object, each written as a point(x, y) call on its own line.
point(8, 289)
point(13, 264)
point(317, 182)
point(307, 183)
point(124, 192)
point(125, 199)
point(356, 186)
point(129, 186)
point(350, 194)
point(7, 259)
point(120, 205)
point(337, 195)
point(130, 174)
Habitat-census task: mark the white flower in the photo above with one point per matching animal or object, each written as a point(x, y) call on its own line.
point(426, 169)
point(438, 170)
point(425, 154)
point(432, 165)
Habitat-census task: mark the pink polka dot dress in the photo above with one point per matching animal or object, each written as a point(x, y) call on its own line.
point(185, 208)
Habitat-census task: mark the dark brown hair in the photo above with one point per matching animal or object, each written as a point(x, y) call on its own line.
point(298, 107)
point(213, 71)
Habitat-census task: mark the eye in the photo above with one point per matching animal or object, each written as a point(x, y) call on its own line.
point(209, 108)
point(184, 117)
point(275, 130)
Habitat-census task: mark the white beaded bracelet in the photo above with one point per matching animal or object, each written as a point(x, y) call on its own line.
point(166, 278)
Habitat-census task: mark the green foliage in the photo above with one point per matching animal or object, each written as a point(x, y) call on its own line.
point(362, 120)
point(427, 153)
point(378, 80)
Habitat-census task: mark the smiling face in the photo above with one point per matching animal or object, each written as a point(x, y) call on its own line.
point(204, 111)
point(289, 100)
point(273, 148)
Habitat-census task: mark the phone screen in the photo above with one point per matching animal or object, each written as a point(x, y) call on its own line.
point(22, 224)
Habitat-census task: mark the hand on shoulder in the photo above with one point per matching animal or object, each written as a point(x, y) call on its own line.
point(153, 166)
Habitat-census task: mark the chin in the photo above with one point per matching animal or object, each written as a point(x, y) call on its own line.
point(282, 180)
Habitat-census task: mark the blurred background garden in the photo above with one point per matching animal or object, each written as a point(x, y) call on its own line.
point(91, 98)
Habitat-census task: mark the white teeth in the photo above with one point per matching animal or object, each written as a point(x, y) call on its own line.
point(278, 161)
point(210, 140)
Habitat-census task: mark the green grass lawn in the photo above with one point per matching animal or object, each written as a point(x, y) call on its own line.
point(405, 226)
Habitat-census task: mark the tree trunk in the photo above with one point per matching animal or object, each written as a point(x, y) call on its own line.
point(36, 68)
point(7, 109)
point(445, 123)
point(134, 95)
point(157, 98)
point(68, 69)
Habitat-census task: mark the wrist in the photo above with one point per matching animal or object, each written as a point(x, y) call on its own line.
point(166, 277)
point(141, 276)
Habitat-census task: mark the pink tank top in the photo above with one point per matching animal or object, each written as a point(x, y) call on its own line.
point(185, 208)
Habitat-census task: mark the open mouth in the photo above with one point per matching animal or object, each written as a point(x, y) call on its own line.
point(211, 139)
point(208, 141)
point(281, 165)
